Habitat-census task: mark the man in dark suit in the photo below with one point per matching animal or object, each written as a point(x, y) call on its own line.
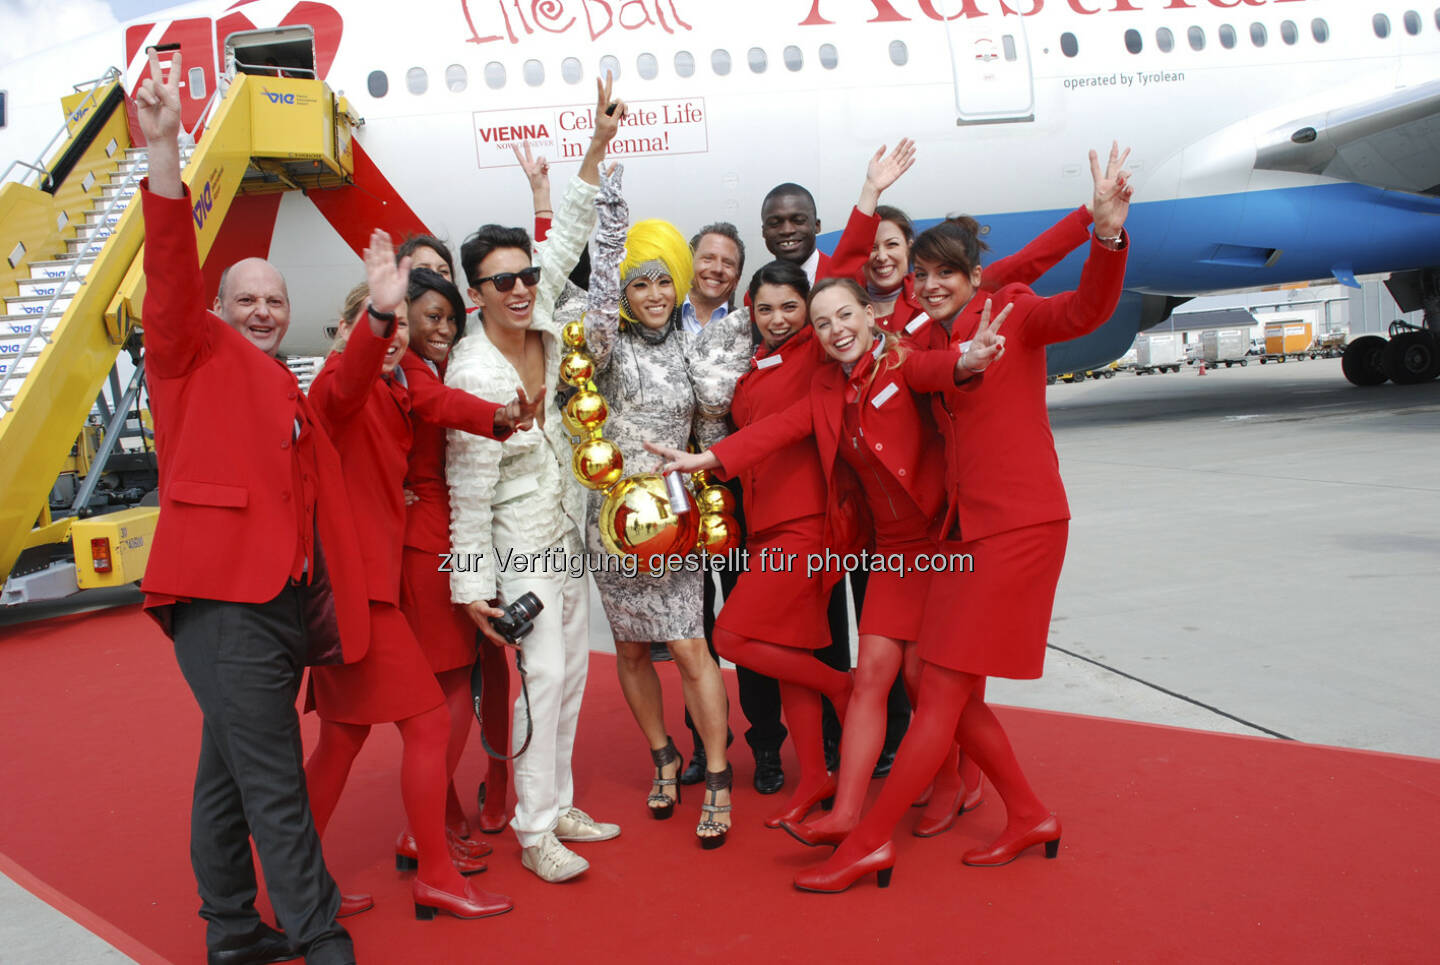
point(254, 571)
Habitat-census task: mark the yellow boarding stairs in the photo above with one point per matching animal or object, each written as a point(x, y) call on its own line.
point(72, 289)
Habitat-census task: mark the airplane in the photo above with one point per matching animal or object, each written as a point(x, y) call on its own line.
point(1274, 141)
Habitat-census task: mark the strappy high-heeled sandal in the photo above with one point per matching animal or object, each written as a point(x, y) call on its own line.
point(662, 805)
point(714, 783)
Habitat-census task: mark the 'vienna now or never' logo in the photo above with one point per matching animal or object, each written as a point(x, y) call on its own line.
point(283, 97)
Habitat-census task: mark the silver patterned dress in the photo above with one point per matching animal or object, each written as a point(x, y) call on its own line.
point(661, 387)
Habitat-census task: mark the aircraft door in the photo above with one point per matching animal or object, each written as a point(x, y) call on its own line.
point(990, 58)
point(195, 39)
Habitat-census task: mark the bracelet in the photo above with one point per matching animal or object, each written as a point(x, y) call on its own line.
point(540, 211)
point(1110, 241)
point(387, 317)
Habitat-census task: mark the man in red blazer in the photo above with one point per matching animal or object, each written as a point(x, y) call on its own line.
point(254, 570)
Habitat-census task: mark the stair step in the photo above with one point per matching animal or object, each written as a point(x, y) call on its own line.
point(45, 287)
point(55, 270)
point(99, 216)
point(13, 337)
point(34, 306)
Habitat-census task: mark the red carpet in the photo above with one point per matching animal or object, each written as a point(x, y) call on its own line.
point(1179, 845)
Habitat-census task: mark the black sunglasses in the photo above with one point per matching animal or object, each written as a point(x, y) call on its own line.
point(506, 279)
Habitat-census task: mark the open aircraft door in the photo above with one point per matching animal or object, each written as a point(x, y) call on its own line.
point(990, 59)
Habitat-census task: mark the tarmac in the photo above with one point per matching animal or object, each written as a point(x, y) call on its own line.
point(1255, 551)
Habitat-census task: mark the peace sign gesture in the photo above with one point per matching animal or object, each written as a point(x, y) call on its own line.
point(1111, 203)
point(986, 347)
point(157, 100)
point(520, 413)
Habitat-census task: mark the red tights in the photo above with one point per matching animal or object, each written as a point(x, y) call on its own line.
point(803, 679)
point(944, 714)
point(422, 784)
point(495, 712)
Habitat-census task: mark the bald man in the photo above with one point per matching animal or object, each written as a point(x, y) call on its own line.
point(254, 570)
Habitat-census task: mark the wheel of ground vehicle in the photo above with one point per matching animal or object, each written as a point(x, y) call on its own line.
point(1244, 362)
point(1410, 358)
point(1109, 373)
point(1227, 365)
point(1361, 362)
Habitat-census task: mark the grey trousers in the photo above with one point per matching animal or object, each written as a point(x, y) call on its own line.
point(244, 663)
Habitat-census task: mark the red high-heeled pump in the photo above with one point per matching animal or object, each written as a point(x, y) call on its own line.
point(811, 836)
point(494, 798)
point(1008, 846)
point(462, 850)
point(825, 881)
point(938, 821)
point(798, 809)
point(474, 903)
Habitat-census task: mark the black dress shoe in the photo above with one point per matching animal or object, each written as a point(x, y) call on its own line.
point(884, 763)
point(694, 772)
point(267, 946)
point(769, 775)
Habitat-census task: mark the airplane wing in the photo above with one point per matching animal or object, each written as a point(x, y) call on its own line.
point(1390, 142)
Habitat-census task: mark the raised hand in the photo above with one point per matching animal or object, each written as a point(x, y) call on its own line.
point(682, 461)
point(1111, 204)
point(387, 280)
point(883, 171)
point(986, 347)
point(537, 172)
point(608, 111)
point(521, 412)
point(157, 100)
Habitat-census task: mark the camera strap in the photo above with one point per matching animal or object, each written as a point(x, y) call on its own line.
point(477, 687)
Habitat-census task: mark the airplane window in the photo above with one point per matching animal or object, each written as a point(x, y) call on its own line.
point(610, 65)
point(378, 84)
point(1259, 36)
point(495, 75)
point(416, 80)
point(684, 63)
point(1227, 36)
point(456, 78)
point(1320, 30)
point(758, 60)
point(899, 53)
point(1289, 33)
point(2, 110)
point(1011, 52)
point(1164, 39)
point(1197, 38)
point(534, 73)
point(1382, 25)
point(794, 59)
point(1412, 23)
point(1133, 43)
point(720, 61)
point(1069, 46)
point(571, 70)
point(648, 66)
point(195, 77)
point(829, 56)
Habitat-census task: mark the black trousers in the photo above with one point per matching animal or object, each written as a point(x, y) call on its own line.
point(244, 664)
point(837, 655)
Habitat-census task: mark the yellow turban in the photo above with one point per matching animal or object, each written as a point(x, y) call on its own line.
point(652, 244)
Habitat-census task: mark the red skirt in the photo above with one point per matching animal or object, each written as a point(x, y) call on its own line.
point(780, 604)
point(391, 682)
point(445, 631)
point(993, 621)
point(895, 594)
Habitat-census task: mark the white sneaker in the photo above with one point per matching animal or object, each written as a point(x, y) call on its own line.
point(552, 861)
point(576, 825)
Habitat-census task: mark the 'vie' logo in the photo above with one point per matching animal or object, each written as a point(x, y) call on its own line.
point(278, 98)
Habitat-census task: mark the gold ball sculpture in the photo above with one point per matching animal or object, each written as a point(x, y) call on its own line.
point(597, 463)
point(576, 369)
point(573, 334)
point(637, 519)
point(586, 412)
point(715, 499)
point(718, 533)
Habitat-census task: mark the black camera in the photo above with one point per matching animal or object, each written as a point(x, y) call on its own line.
point(519, 618)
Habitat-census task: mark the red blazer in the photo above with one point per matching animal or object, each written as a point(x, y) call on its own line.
point(1046, 251)
point(434, 408)
point(895, 419)
point(789, 483)
point(369, 419)
point(1002, 472)
point(224, 432)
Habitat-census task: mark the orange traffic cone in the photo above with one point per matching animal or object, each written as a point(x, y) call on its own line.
point(1202, 366)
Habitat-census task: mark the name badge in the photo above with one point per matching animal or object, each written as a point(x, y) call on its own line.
point(916, 323)
point(884, 395)
point(769, 361)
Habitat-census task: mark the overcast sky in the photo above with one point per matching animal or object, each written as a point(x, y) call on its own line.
point(29, 26)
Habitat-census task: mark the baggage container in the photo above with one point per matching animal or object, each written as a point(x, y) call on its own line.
point(1159, 352)
point(1224, 345)
point(1292, 337)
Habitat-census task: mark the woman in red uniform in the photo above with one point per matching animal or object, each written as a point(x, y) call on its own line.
point(366, 410)
point(436, 316)
point(1007, 512)
point(870, 421)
